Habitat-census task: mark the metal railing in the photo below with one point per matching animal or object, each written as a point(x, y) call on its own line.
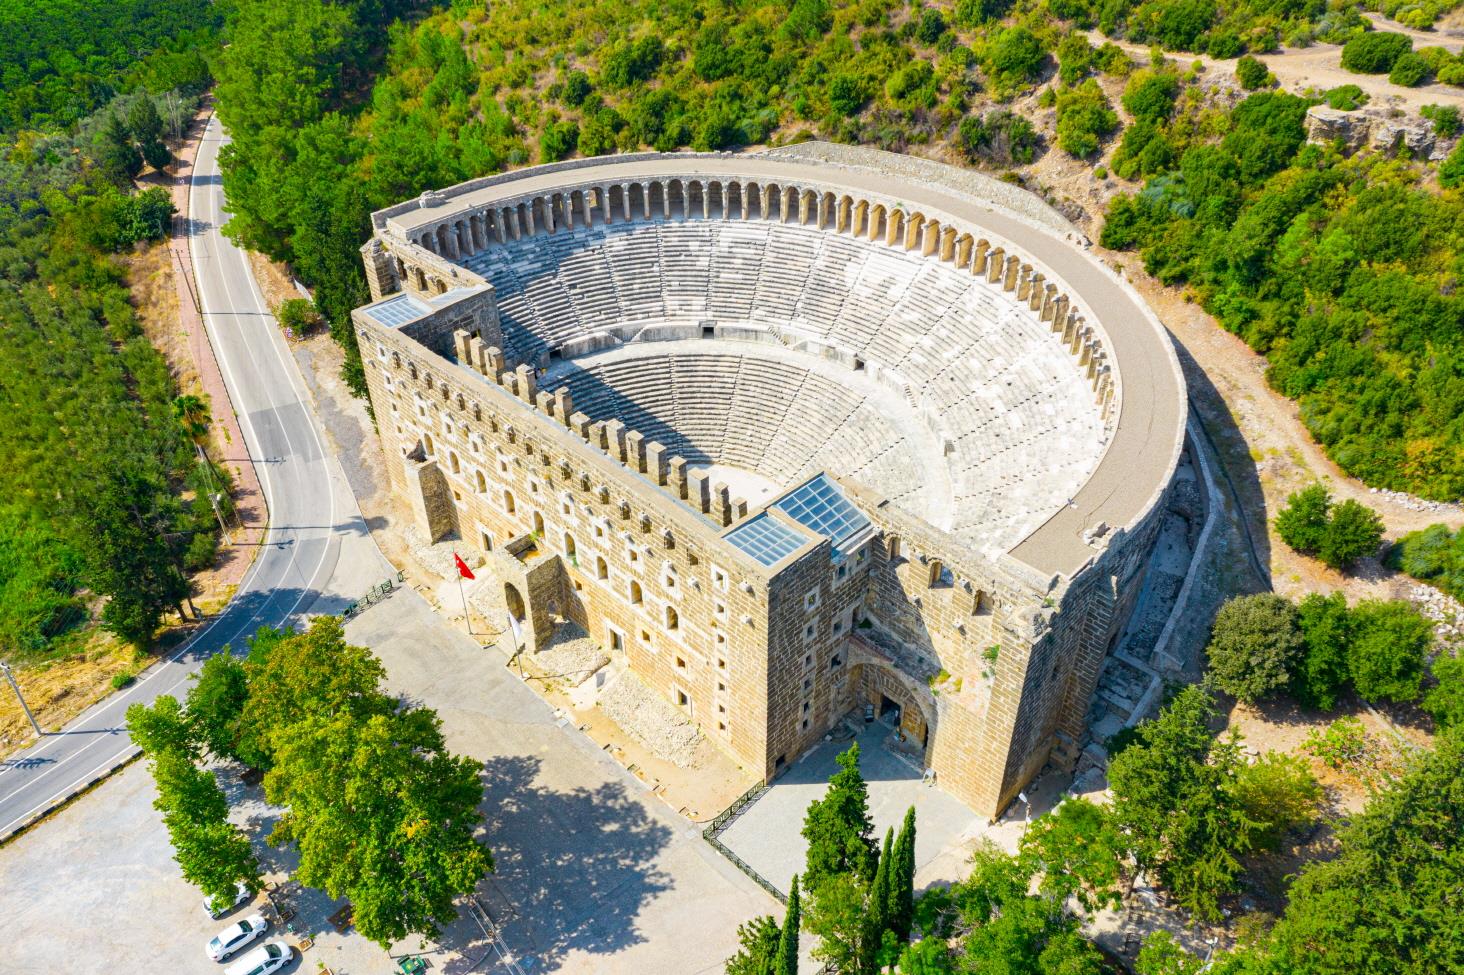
point(375, 594)
point(724, 819)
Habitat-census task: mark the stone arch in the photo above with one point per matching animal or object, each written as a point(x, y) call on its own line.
point(876, 221)
point(514, 601)
point(914, 227)
point(616, 199)
point(635, 201)
point(676, 200)
point(717, 199)
point(878, 678)
point(751, 200)
point(896, 227)
point(696, 199)
point(657, 200)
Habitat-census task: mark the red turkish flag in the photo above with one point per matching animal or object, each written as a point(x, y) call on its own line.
point(462, 567)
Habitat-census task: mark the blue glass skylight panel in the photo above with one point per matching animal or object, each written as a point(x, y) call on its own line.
point(822, 507)
point(767, 540)
point(397, 311)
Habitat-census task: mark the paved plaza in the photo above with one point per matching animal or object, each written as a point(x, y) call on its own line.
point(768, 835)
point(594, 875)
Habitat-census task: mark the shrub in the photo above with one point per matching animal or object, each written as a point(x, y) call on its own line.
point(1445, 701)
point(1084, 119)
point(1302, 524)
point(1374, 52)
point(1150, 95)
point(1001, 138)
point(1346, 98)
point(1445, 119)
point(298, 315)
point(1252, 73)
point(1451, 170)
point(1013, 59)
point(1074, 58)
point(1342, 745)
point(1254, 645)
point(577, 88)
point(1434, 555)
point(1409, 70)
point(1387, 653)
point(1353, 531)
point(1326, 630)
point(558, 140)
point(1338, 535)
point(1279, 793)
point(846, 94)
point(122, 680)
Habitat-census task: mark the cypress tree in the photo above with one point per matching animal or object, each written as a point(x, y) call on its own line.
point(901, 910)
point(786, 961)
point(838, 828)
point(879, 894)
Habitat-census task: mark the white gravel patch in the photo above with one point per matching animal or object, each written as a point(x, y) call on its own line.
point(650, 720)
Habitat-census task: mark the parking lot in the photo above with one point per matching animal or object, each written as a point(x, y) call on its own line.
point(594, 874)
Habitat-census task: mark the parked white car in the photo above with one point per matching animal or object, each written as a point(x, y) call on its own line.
point(236, 936)
point(217, 908)
point(263, 960)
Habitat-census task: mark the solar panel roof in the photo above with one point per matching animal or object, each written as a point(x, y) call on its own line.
point(396, 311)
point(820, 506)
point(766, 539)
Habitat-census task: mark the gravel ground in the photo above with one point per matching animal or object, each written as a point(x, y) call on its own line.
point(572, 655)
point(650, 721)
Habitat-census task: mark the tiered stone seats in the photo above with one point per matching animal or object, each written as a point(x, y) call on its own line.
point(990, 377)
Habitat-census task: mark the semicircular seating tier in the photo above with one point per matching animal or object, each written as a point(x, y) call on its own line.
point(1015, 428)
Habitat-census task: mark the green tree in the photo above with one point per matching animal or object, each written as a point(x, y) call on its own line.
point(1302, 523)
point(1080, 853)
point(1326, 629)
point(1074, 58)
point(1353, 531)
point(145, 126)
point(162, 727)
point(757, 947)
point(837, 914)
point(1255, 644)
point(314, 674)
point(213, 853)
point(216, 701)
point(1014, 59)
point(901, 911)
point(879, 891)
point(115, 155)
point(1172, 795)
point(838, 828)
point(1390, 643)
point(1389, 901)
point(381, 814)
point(1150, 95)
point(1163, 955)
point(786, 962)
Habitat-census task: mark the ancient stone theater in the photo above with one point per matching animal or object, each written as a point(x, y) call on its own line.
point(792, 434)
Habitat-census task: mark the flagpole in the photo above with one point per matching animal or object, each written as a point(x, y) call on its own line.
point(467, 613)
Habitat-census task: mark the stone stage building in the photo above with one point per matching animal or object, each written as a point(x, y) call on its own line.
point(789, 434)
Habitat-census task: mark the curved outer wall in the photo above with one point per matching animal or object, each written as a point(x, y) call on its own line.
point(921, 604)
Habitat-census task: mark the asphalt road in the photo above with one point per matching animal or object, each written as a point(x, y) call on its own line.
point(306, 506)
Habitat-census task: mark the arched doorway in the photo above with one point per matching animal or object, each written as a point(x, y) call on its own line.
point(515, 602)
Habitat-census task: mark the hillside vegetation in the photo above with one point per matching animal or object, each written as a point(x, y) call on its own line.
point(1342, 271)
point(101, 497)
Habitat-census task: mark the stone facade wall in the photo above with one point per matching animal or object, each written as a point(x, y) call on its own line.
point(992, 664)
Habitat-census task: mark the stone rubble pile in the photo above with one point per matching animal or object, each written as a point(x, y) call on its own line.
point(1446, 612)
point(1417, 504)
point(437, 558)
point(650, 721)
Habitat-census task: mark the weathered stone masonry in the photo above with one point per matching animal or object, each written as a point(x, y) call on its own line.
point(990, 659)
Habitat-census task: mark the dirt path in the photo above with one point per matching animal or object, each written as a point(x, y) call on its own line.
point(1320, 66)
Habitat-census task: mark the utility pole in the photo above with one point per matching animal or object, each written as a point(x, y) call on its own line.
point(213, 496)
point(23, 706)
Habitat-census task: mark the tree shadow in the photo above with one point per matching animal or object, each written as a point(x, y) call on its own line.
point(572, 869)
